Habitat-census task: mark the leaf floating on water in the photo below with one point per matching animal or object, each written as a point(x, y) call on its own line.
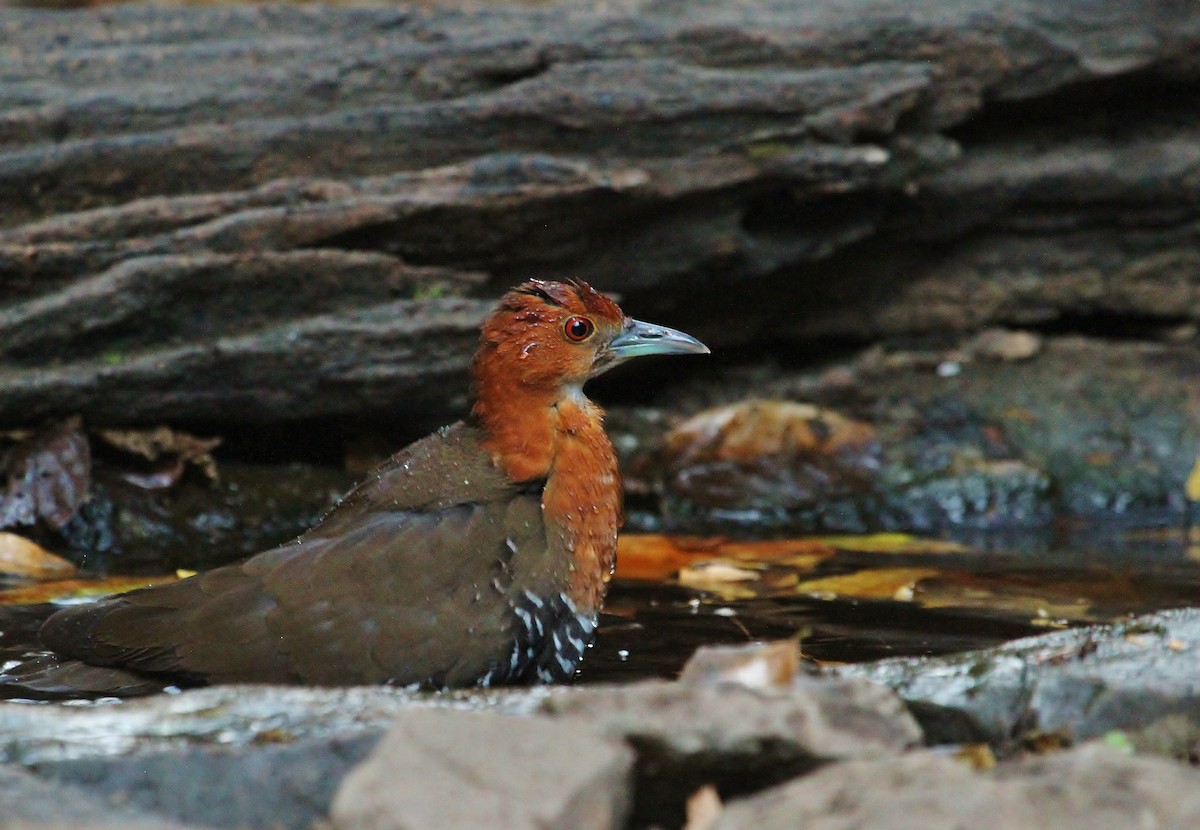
point(21, 557)
point(67, 590)
point(722, 578)
point(656, 556)
point(880, 583)
point(892, 543)
point(1045, 603)
point(49, 476)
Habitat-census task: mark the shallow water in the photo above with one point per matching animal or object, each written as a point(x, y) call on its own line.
point(999, 590)
point(899, 596)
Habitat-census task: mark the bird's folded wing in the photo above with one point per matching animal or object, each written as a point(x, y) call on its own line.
point(375, 593)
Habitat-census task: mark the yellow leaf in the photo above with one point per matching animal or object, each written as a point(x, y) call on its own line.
point(891, 543)
point(881, 583)
point(22, 557)
point(1191, 488)
point(69, 589)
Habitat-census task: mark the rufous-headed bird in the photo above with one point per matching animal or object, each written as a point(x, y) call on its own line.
point(478, 555)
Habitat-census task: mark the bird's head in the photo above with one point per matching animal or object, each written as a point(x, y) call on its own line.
point(556, 335)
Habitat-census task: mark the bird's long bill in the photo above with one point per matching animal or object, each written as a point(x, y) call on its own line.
point(637, 339)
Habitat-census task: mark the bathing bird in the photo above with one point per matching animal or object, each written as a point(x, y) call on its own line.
point(478, 555)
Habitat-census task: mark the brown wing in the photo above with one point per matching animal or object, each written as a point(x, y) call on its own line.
point(414, 578)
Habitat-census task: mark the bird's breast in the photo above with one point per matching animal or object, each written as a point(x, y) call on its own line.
point(582, 501)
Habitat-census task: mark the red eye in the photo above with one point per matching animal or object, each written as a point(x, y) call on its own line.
point(578, 329)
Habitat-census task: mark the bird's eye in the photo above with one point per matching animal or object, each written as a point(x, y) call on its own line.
point(578, 329)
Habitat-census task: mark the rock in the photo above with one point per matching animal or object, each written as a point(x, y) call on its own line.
point(450, 769)
point(1078, 684)
point(28, 803)
point(223, 716)
point(742, 739)
point(190, 237)
point(1090, 788)
point(1087, 429)
point(811, 469)
point(284, 786)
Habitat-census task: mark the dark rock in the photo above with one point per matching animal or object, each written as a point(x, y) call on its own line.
point(28, 803)
point(190, 236)
point(1077, 684)
point(1086, 428)
point(450, 769)
point(742, 739)
point(1091, 788)
point(286, 786)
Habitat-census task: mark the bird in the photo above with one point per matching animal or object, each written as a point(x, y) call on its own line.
point(479, 555)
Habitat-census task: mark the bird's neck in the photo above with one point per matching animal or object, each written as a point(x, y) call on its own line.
point(559, 435)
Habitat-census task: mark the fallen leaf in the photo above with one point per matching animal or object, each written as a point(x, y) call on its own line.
point(891, 543)
point(49, 475)
point(721, 578)
point(21, 557)
point(879, 583)
point(703, 808)
point(1191, 487)
point(656, 556)
point(751, 429)
point(163, 442)
point(77, 589)
point(978, 756)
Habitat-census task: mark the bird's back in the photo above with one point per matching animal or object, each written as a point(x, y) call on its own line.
point(436, 570)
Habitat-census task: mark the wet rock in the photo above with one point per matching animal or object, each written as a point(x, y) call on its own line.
point(1077, 684)
point(222, 716)
point(448, 770)
point(812, 719)
point(1091, 788)
point(29, 803)
point(284, 786)
point(794, 465)
point(688, 735)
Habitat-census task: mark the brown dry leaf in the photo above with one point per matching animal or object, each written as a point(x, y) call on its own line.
point(891, 543)
point(752, 429)
point(21, 557)
point(977, 756)
point(49, 475)
point(77, 589)
point(880, 583)
point(161, 442)
point(703, 808)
